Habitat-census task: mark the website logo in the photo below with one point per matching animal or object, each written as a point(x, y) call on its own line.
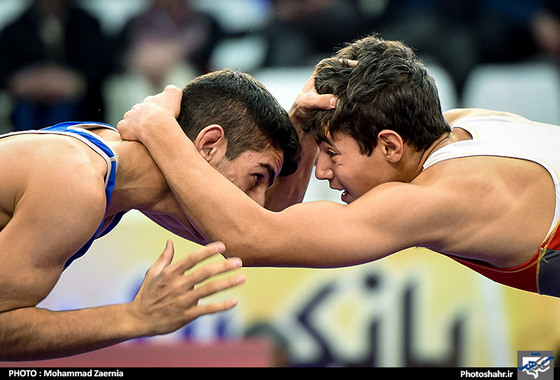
point(533, 365)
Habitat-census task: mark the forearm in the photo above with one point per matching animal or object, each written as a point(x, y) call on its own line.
point(33, 333)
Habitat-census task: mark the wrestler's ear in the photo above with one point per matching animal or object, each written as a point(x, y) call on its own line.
point(211, 142)
point(391, 144)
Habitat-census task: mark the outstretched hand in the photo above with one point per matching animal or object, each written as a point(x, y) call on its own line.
point(169, 298)
point(151, 113)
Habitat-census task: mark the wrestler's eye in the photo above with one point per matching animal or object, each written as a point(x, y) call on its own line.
point(331, 153)
point(257, 178)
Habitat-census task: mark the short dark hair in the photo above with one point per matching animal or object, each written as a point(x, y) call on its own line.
point(251, 117)
point(389, 88)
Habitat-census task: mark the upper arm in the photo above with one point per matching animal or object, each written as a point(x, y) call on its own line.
point(59, 209)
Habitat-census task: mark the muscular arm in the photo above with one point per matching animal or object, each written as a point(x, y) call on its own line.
point(43, 232)
point(316, 234)
point(313, 234)
point(53, 215)
point(30, 333)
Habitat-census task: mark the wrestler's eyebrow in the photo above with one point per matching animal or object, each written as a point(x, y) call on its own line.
point(271, 172)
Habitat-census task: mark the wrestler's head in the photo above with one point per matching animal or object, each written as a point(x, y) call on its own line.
point(387, 102)
point(240, 129)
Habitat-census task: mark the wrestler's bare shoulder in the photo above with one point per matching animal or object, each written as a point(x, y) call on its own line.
point(453, 116)
point(48, 164)
point(488, 194)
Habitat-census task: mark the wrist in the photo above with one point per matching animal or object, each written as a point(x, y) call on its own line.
point(133, 323)
point(159, 131)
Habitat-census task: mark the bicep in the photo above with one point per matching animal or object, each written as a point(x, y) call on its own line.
point(46, 228)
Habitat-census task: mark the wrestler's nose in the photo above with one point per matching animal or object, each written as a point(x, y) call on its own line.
point(323, 170)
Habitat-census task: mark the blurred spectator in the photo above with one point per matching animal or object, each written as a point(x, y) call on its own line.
point(304, 31)
point(514, 30)
point(545, 27)
point(458, 35)
point(54, 59)
point(169, 35)
point(440, 31)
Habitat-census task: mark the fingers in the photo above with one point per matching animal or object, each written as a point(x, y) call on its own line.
point(344, 61)
point(213, 270)
point(211, 288)
point(349, 62)
point(326, 101)
point(169, 93)
point(169, 99)
point(217, 286)
point(310, 99)
point(211, 308)
point(197, 286)
point(205, 272)
point(164, 259)
point(198, 256)
point(169, 298)
point(173, 89)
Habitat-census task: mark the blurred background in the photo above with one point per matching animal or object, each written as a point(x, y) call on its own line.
point(94, 59)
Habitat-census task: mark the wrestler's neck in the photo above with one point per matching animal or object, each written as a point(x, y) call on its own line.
point(411, 164)
point(139, 184)
point(456, 134)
